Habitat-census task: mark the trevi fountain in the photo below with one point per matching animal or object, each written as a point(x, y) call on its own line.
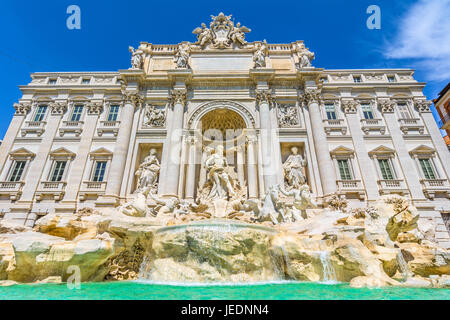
point(227, 224)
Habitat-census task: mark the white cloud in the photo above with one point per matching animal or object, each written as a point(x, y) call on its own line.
point(424, 34)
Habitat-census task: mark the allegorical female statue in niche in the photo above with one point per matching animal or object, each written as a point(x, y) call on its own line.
point(293, 169)
point(148, 171)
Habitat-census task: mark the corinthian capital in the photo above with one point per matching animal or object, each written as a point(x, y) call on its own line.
point(264, 96)
point(178, 96)
point(58, 108)
point(95, 107)
point(386, 105)
point(349, 105)
point(22, 108)
point(311, 95)
point(133, 97)
point(422, 105)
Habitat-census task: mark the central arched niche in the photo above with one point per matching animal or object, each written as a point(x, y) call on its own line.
point(221, 124)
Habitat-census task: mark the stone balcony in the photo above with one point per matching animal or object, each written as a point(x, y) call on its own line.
point(11, 189)
point(431, 187)
point(397, 186)
point(74, 127)
point(351, 187)
point(331, 125)
point(368, 125)
point(407, 125)
point(55, 190)
point(108, 127)
point(34, 127)
point(92, 188)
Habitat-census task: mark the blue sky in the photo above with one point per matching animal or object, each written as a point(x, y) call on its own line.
point(34, 36)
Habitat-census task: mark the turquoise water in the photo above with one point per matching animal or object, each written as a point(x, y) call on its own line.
point(272, 291)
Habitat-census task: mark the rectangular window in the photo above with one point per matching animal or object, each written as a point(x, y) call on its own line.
point(113, 113)
point(76, 114)
point(58, 171)
point(403, 111)
point(356, 79)
point(99, 171)
point(52, 81)
point(17, 171)
point(344, 170)
point(367, 111)
point(40, 113)
point(427, 168)
point(386, 169)
point(86, 81)
point(391, 79)
point(331, 111)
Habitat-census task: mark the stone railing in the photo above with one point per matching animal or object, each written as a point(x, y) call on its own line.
point(351, 187)
point(73, 123)
point(11, 189)
point(37, 127)
point(334, 125)
point(432, 186)
point(108, 127)
point(368, 125)
point(92, 188)
point(394, 185)
point(55, 189)
point(411, 124)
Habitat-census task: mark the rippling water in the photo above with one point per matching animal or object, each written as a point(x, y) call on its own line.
point(263, 291)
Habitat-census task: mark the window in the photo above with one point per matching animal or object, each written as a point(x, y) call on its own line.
point(17, 171)
point(427, 168)
point(331, 111)
point(99, 171)
point(86, 81)
point(367, 111)
point(52, 81)
point(58, 171)
point(113, 113)
point(356, 79)
point(40, 113)
point(391, 79)
point(76, 114)
point(344, 169)
point(403, 111)
point(386, 169)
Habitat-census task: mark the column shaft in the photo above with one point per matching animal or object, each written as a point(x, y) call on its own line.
point(326, 170)
point(252, 171)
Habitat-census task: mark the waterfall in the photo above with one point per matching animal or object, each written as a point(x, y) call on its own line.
point(403, 265)
point(329, 274)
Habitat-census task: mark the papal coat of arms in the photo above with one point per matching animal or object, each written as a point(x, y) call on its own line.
point(222, 33)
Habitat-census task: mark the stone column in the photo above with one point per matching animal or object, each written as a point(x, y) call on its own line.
point(22, 110)
point(349, 107)
point(173, 141)
point(191, 165)
point(240, 164)
point(79, 164)
point(406, 162)
point(252, 172)
point(269, 158)
point(112, 192)
point(423, 106)
point(326, 170)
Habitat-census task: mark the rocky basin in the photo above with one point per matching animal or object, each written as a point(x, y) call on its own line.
point(384, 245)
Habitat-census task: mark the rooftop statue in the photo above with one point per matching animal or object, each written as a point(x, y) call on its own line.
point(137, 57)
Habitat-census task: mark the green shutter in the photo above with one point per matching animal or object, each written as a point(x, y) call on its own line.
point(427, 169)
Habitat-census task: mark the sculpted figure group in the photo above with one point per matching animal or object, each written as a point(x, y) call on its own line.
point(222, 185)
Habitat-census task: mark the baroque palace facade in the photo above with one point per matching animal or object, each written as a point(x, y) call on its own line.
point(91, 139)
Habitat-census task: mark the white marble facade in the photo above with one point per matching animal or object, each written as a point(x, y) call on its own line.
point(78, 139)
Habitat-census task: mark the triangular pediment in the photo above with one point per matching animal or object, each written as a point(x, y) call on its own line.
point(22, 153)
point(341, 150)
point(422, 149)
point(62, 152)
point(101, 152)
point(381, 150)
